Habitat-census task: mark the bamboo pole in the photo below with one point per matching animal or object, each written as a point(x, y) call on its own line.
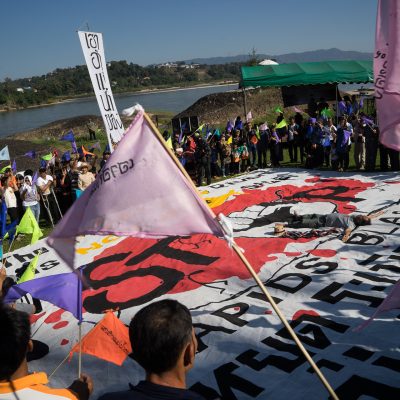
point(292, 333)
point(242, 257)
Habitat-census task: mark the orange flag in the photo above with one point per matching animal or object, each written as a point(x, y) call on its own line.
point(108, 340)
point(85, 152)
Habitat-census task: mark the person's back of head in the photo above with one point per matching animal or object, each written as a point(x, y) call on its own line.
point(15, 334)
point(159, 333)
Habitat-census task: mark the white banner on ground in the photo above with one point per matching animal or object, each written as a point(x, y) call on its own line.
point(93, 50)
point(324, 287)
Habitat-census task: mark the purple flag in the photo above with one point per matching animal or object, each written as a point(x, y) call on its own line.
point(367, 120)
point(387, 72)
point(392, 301)
point(69, 137)
point(74, 148)
point(35, 178)
point(229, 126)
point(342, 107)
point(14, 167)
point(31, 154)
point(361, 104)
point(183, 127)
point(139, 160)
point(62, 290)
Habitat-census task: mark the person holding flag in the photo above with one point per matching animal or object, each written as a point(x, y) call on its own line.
point(30, 197)
point(15, 379)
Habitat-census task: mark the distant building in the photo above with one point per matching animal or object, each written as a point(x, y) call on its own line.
point(20, 90)
point(267, 62)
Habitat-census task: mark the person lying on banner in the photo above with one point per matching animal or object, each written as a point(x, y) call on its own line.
point(15, 379)
point(333, 220)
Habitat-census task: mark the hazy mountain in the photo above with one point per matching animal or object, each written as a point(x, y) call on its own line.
point(307, 56)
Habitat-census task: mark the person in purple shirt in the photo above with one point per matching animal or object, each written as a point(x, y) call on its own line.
point(164, 345)
point(275, 143)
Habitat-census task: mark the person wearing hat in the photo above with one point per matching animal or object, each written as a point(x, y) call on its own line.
point(85, 177)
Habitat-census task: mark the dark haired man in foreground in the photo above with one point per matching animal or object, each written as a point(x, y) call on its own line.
point(15, 380)
point(164, 344)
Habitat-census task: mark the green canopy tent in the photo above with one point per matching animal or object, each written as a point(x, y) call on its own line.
point(310, 73)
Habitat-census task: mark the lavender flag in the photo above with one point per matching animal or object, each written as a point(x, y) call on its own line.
point(31, 154)
point(74, 148)
point(62, 290)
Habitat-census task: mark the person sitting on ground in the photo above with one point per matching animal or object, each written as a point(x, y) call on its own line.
point(164, 344)
point(15, 380)
point(85, 177)
point(333, 220)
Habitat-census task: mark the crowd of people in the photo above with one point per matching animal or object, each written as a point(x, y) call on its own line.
point(52, 190)
point(311, 140)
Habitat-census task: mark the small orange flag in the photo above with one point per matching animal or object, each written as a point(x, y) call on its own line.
point(85, 152)
point(108, 340)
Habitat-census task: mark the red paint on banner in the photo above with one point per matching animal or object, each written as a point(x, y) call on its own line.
point(313, 179)
point(54, 317)
point(299, 313)
point(34, 317)
point(292, 253)
point(60, 325)
point(64, 342)
point(323, 252)
point(340, 192)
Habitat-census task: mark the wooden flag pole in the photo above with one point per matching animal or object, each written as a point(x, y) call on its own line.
point(244, 260)
point(292, 333)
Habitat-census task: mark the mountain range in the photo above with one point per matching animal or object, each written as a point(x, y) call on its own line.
point(307, 56)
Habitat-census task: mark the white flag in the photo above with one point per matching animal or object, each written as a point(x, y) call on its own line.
point(4, 154)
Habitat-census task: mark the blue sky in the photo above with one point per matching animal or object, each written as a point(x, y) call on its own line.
point(40, 36)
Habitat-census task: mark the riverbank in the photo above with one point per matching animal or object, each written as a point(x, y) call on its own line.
point(124, 94)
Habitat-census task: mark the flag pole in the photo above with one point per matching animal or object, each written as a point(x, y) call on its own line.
point(292, 333)
point(244, 260)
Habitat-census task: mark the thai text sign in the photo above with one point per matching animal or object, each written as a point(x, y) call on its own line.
point(93, 50)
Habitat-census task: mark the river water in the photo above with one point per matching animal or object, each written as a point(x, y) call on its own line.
point(169, 100)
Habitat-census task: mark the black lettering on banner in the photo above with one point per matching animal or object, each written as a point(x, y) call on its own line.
point(205, 391)
point(206, 329)
point(23, 258)
point(227, 381)
point(331, 193)
point(233, 318)
point(392, 268)
point(358, 353)
point(394, 220)
point(374, 278)
point(319, 339)
point(357, 386)
point(364, 239)
point(261, 296)
point(333, 366)
point(326, 295)
point(305, 264)
point(49, 265)
point(304, 280)
point(372, 258)
point(285, 364)
point(388, 362)
point(97, 303)
point(163, 248)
